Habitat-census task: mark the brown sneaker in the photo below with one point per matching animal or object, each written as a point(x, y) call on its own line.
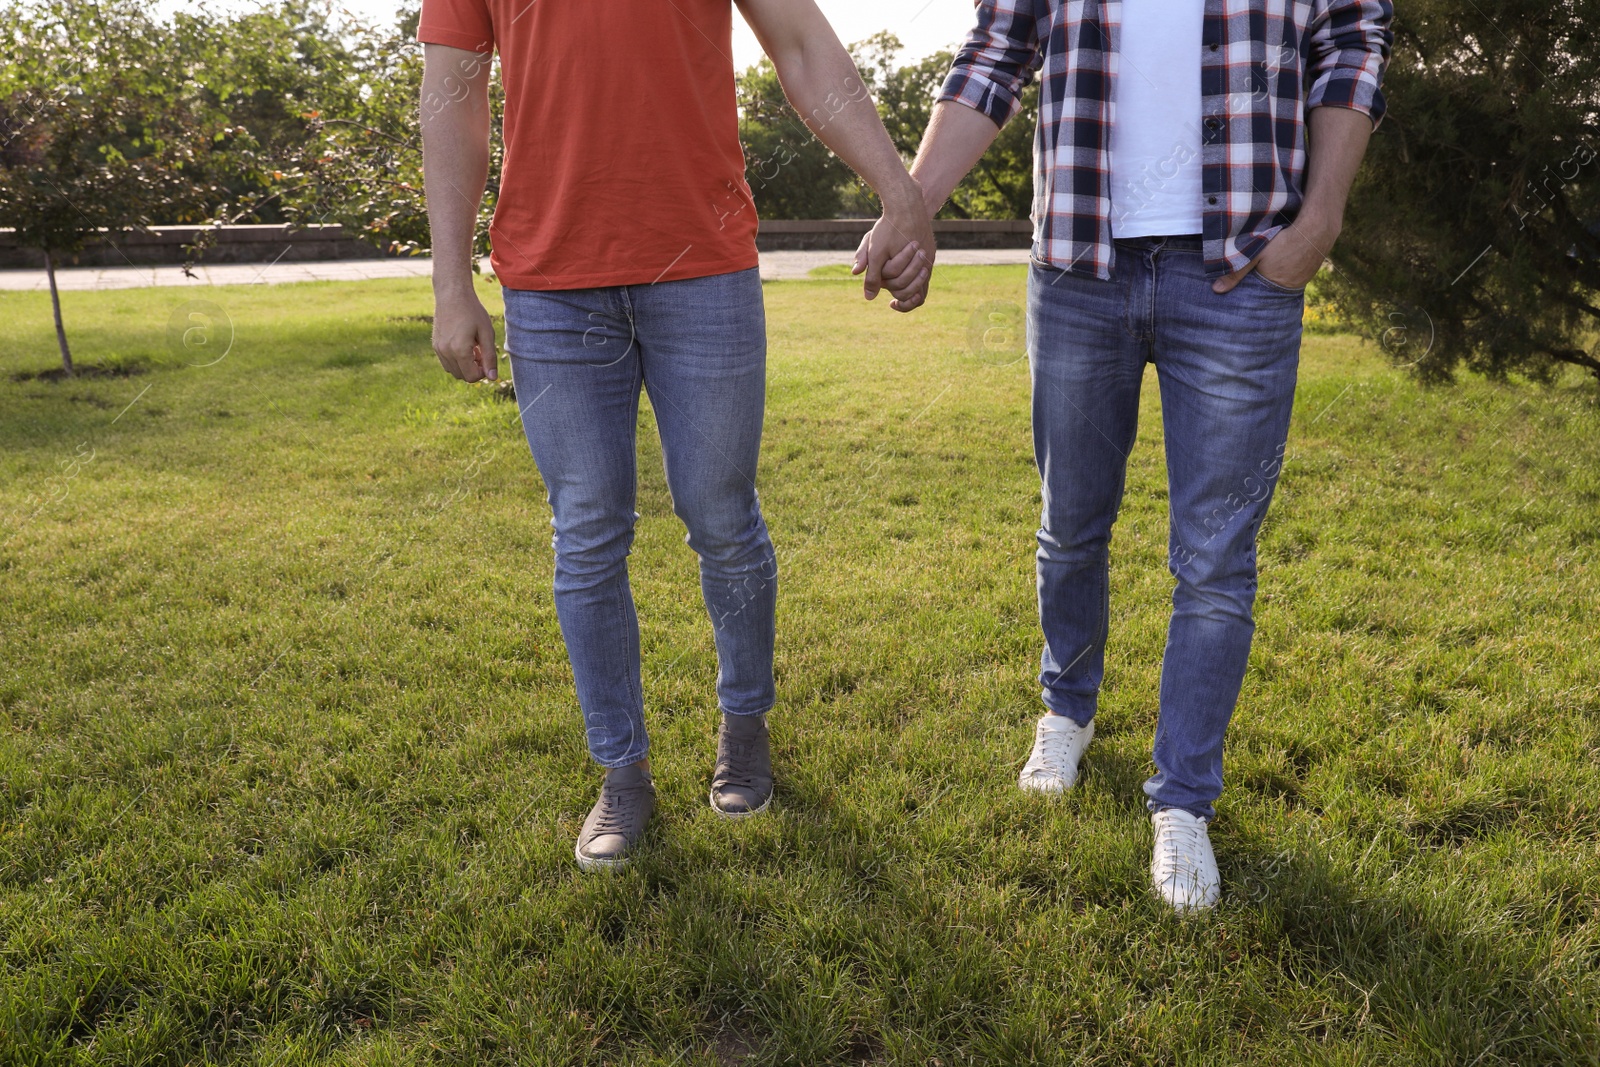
point(617, 820)
point(742, 782)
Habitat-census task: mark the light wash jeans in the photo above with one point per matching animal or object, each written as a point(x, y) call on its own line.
point(1226, 366)
point(579, 358)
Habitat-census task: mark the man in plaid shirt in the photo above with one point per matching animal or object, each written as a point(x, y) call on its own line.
point(1193, 159)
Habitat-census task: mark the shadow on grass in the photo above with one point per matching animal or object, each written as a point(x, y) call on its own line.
point(115, 369)
point(1425, 974)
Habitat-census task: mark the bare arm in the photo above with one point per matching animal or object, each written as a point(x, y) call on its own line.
point(824, 86)
point(956, 139)
point(1336, 141)
point(455, 165)
point(981, 94)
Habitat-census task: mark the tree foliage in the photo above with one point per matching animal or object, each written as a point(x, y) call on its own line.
point(97, 132)
point(1472, 231)
point(1001, 185)
point(290, 111)
point(793, 176)
point(326, 106)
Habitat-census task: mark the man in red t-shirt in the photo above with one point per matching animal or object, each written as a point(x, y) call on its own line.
point(624, 235)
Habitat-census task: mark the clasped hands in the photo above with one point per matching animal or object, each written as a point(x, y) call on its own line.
point(897, 253)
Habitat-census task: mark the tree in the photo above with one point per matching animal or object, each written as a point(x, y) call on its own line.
point(792, 175)
point(94, 135)
point(1000, 186)
point(323, 117)
point(1477, 215)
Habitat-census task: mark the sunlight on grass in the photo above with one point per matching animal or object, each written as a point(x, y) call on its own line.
point(290, 764)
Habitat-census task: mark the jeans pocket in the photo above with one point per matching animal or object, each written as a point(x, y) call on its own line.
point(1274, 286)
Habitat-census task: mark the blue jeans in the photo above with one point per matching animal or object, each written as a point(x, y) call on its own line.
point(1226, 366)
point(579, 358)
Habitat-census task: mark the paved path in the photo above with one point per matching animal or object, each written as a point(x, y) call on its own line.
point(782, 266)
point(775, 266)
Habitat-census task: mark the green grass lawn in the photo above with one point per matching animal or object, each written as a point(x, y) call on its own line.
point(290, 765)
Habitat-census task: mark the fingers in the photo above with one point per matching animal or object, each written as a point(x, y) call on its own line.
point(877, 255)
point(901, 272)
point(455, 363)
point(488, 357)
point(906, 276)
point(466, 349)
point(869, 285)
point(897, 255)
point(460, 358)
point(915, 294)
point(1228, 281)
point(860, 263)
point(909, 302)
point(902, 264)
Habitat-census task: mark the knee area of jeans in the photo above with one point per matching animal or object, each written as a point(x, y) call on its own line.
point(1213, 567)
point(592, 558)
point(722, 512)
point(1218, 602)
point(737, 560)
point(732, 545)
point(1078, 553)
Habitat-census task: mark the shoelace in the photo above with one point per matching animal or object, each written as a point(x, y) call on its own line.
point(613, 812)
point(1052, 749)
point(1182, 844)
point(737, 753)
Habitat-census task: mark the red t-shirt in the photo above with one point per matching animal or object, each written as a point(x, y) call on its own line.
point(622, 160)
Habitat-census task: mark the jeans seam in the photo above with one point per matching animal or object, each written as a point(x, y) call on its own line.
point(635, 690)
point(635, 687)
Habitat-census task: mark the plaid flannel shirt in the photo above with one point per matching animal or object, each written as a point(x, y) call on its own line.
point(1264, 64)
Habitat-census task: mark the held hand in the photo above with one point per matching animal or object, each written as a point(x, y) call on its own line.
point(463, 336)
point(1291, 259)
point(898, 253)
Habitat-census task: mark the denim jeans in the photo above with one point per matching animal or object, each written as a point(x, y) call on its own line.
point(1226, 365)
point(579, 358)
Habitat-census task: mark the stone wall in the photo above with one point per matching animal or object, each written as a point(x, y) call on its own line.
point(164, 245)
point(786, 235)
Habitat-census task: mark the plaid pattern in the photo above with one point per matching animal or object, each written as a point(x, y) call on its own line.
point(1264, 65)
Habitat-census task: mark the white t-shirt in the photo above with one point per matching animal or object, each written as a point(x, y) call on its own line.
point(1155, 134)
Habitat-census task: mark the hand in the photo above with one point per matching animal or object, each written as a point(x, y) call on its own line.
point(463, 336)
point(1291, 259)
point(898, 252)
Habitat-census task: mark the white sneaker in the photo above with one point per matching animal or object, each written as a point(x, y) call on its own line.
point(1058, 744)
point(1183, 868)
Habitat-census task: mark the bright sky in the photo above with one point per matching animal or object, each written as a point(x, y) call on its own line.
point(923, 25)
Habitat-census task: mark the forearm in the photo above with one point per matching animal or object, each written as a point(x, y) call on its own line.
point(956, 139)
point(822, 83)
point(455, 158)
point(1336, 141)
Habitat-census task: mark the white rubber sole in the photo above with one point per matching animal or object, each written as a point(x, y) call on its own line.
point(1198, 907)
point(765, 804)
point(593, 866)
point(1188, 901)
